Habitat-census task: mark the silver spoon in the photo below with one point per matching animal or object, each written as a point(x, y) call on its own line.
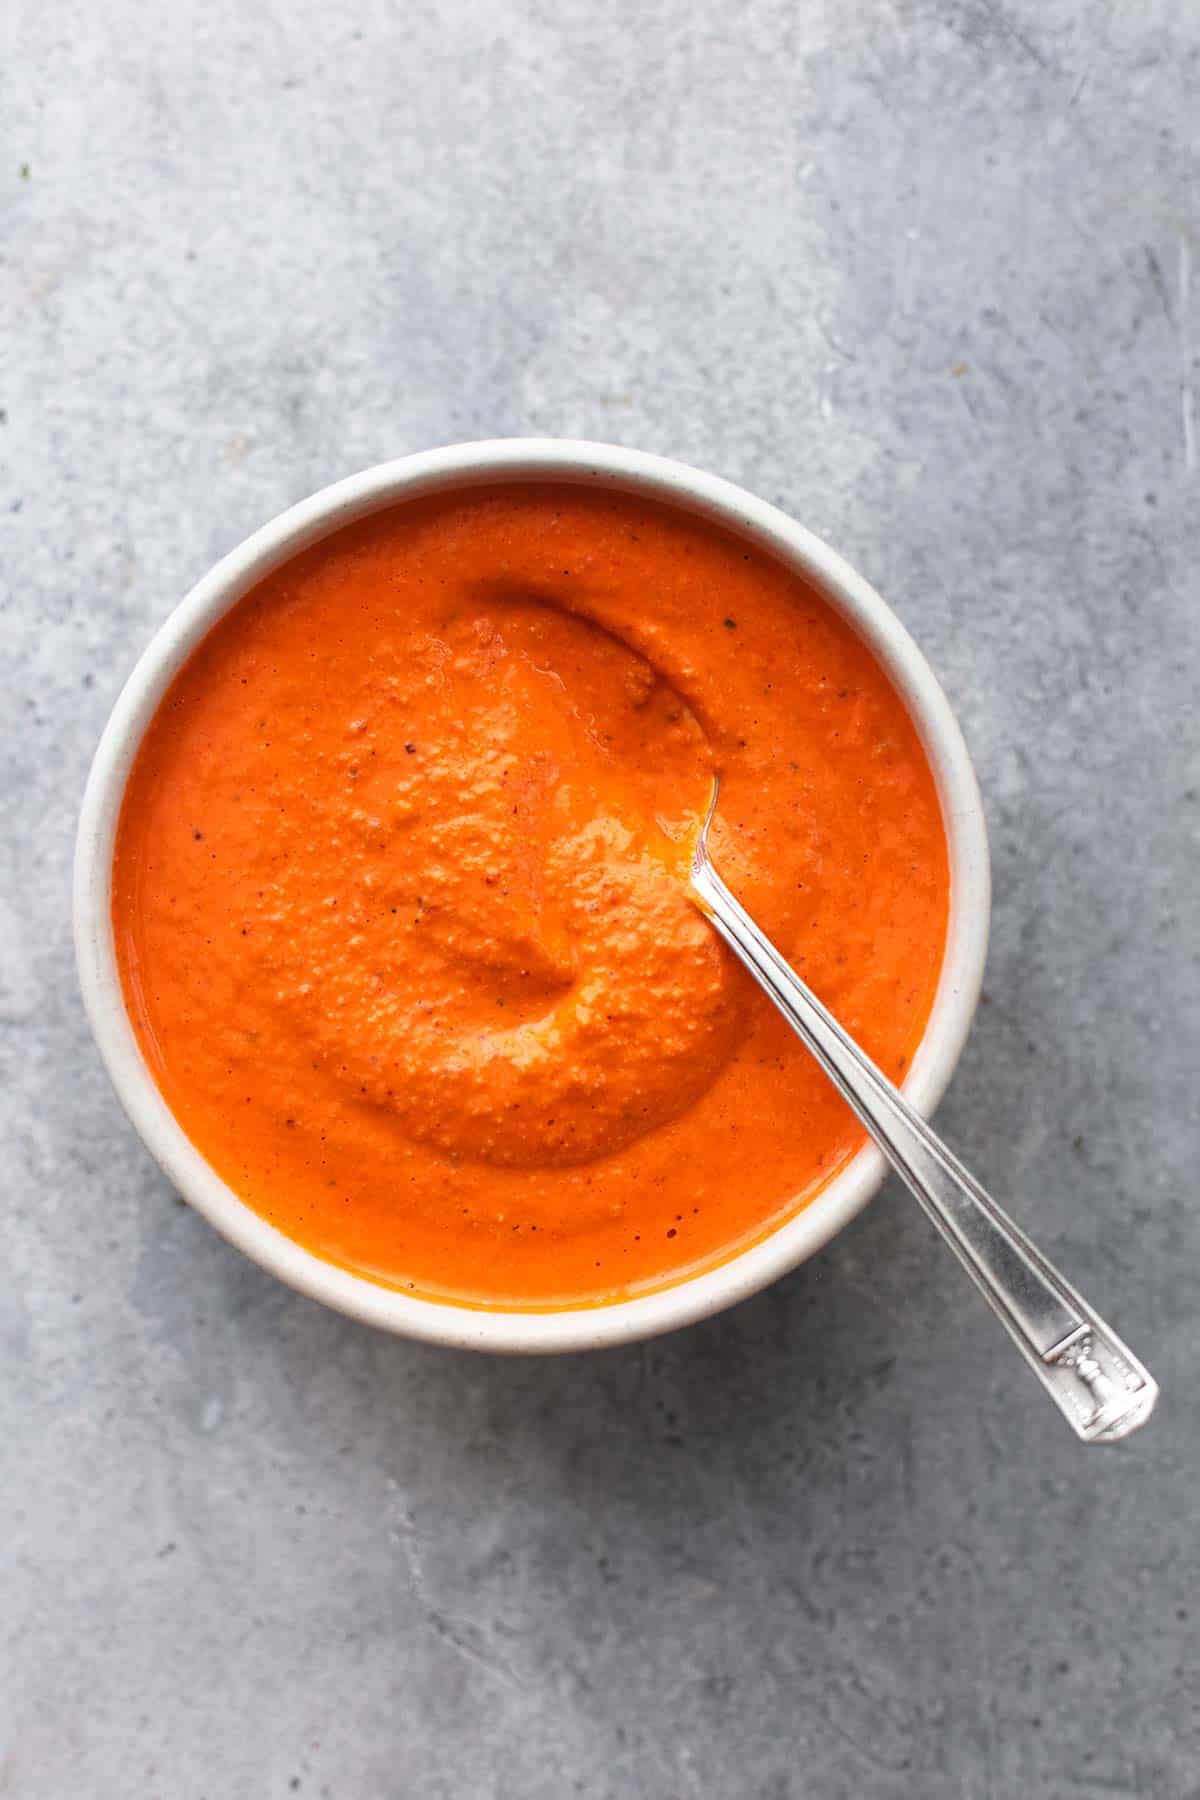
point(1094, 1379)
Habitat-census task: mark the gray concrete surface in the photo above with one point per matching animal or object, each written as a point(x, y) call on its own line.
point(926, 273)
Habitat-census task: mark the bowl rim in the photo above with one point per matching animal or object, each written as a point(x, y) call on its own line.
point(460, 466)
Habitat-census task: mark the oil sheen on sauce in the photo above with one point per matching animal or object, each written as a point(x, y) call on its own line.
point(399, 906)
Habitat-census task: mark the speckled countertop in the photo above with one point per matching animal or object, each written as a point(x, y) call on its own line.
point(922, 272)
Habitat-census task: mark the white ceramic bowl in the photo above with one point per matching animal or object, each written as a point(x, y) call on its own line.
point(436, 471)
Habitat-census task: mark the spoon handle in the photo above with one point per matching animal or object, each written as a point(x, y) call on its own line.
point(1093, 1377)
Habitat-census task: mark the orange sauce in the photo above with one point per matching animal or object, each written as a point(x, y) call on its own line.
point(399, 901)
